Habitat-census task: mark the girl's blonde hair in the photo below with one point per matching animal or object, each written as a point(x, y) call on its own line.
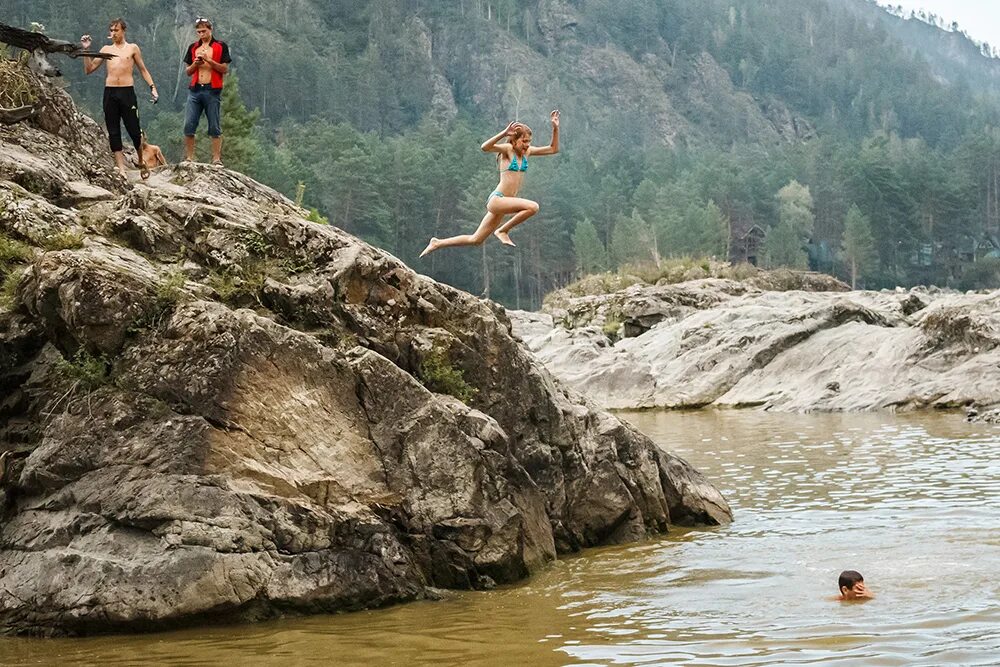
point(517, 131)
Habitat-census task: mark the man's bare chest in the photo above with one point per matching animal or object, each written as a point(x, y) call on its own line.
point(123, 60)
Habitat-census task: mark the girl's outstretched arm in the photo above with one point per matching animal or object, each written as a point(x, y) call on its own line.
point(491, 145)
point(553, 147)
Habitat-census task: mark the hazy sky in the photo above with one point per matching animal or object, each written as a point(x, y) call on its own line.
point(978, 18)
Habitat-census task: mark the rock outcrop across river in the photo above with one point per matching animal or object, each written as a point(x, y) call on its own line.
point(730, 343)
point(213, 409)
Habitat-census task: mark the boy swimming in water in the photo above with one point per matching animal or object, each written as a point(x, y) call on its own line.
point(852, 587)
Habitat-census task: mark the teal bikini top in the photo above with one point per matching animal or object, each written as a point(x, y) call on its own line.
point(513, 166)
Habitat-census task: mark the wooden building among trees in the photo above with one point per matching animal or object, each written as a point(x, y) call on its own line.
point(748, 246)
point(988, 246)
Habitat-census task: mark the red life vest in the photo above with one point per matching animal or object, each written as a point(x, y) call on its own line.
point(217, 51)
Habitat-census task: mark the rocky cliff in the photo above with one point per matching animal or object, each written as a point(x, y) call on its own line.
point(212, 408)
point(729, 343)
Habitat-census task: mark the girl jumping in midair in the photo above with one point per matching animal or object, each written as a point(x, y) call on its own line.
point(503, 201)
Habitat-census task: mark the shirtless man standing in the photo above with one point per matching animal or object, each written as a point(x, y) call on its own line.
point(120, 103)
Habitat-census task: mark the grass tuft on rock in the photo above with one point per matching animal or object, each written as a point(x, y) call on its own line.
point(241, 287)
point(8, 288)
point(317, 217)
point(168, 294)
point(12, 252)
point(65, 240)
point(89, 372)
point(612, 328)
point(437, 374)
point(16, 85)
point(256, 244)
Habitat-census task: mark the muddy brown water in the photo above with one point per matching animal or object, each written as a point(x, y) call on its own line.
point(912, 501)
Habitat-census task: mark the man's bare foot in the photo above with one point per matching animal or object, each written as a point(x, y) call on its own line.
point(143, 170)
point(122, 173)
point(504, 238)
point(431, 246)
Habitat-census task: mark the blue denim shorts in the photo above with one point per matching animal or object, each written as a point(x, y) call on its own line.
point(203, 98)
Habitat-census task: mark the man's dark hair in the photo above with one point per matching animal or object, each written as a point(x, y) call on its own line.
point(849, 578)
point(118, 21)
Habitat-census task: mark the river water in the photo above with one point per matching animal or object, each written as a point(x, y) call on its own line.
point(911, 501)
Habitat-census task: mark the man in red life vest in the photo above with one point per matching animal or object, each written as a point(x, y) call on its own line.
point(207, 62)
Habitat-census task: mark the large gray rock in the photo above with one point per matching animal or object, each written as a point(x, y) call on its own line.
point(719, 342)
point(213, 409)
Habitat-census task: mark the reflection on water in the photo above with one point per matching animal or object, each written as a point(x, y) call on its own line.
point(913, 502)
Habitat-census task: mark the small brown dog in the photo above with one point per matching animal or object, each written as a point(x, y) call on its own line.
point(152, 156)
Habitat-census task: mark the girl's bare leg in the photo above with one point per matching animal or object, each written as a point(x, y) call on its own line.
point(522, 210)
point(489, 222)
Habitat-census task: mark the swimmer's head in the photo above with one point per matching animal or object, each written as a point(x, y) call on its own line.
point(852, 585)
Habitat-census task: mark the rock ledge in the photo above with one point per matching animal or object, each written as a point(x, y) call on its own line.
point(214, 409)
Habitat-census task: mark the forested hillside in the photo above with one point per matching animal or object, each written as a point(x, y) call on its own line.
point(688, 128)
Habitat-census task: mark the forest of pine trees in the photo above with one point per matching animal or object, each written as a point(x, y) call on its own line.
point(894, 180)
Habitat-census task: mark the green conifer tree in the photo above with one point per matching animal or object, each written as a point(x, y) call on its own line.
point(631, 240)
point(241, 145)
point(858, 244)
point(591, 255)
point(783, 247)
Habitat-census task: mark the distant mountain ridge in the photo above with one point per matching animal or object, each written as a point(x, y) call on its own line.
point(662, 72)
point(952, 54)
